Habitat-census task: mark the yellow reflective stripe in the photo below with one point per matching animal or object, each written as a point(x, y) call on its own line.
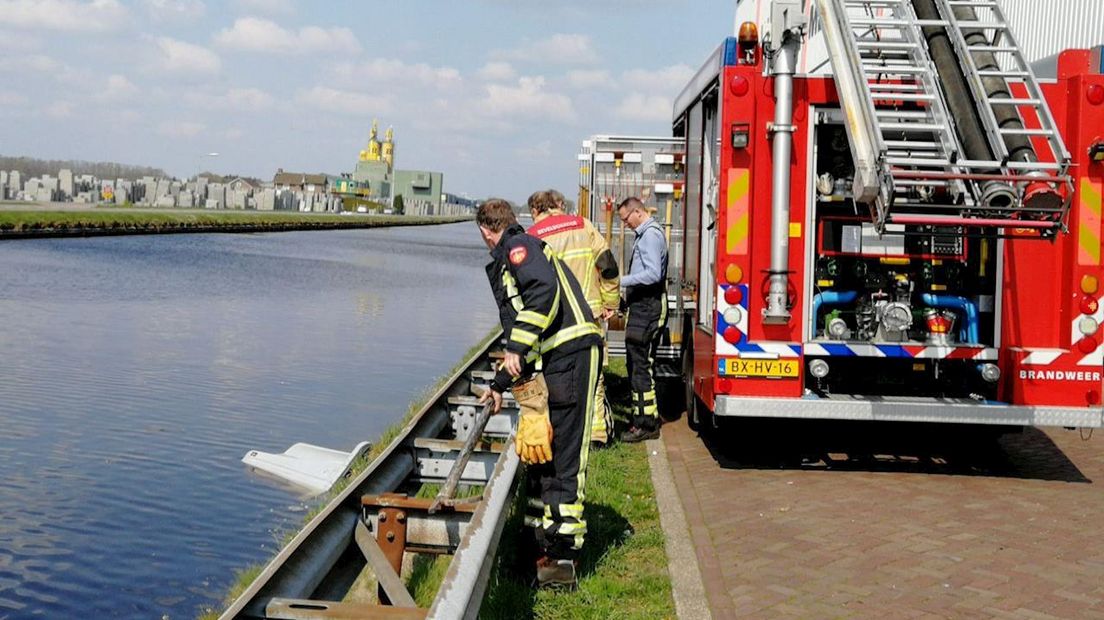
point(578, 253)
point(520, 335)
point(512, 290)
point(566, 286)
point(574, 511)
point(584, 450)
point(535, 318)
point(572, 529)
point(569, 334)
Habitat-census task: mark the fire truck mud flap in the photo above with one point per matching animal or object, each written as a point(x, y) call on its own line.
point(901, 409)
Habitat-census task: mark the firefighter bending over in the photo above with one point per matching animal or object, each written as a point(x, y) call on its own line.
point(584, 251)
point(646, 299)
point(545, 315)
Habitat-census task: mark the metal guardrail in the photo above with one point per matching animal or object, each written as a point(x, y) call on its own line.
point(369, 526)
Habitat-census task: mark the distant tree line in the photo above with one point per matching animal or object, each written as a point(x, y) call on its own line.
point(31, 167)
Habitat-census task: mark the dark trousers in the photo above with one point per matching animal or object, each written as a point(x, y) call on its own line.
point(571, 381)
point(647, 318)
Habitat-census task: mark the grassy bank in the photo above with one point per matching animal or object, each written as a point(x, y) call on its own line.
point(623, 568)
point(27, 223)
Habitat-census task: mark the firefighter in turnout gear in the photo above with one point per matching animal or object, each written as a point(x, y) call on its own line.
point(545, 317)
point(583, 249)
point(646, 298)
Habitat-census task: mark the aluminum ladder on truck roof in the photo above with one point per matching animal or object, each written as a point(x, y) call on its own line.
point(911, 165)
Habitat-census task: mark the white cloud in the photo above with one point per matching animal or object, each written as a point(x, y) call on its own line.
point(37, 63)
point(66, 15)
point(667, 79)
point(268, 7)
point(254, 34)
point(497, 71)
point(558, 49)
point(344, 102)
point(529, 98)
point(182, 57)
point(245, 99)
point(12, 99)
point(175, 10)
point(641, 107)
point(589, 78)
point(180, 129)
point(541, 150)
point(59, 109)
point(18, 42)
point(117, 88)
point(396, 73)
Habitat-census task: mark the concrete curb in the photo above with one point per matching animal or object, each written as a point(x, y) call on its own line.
point(686, 582)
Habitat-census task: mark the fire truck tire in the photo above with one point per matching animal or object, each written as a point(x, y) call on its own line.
point(698, 416)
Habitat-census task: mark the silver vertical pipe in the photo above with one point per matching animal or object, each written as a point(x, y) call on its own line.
point(782, 68)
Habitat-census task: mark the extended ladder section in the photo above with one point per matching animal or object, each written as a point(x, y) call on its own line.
point(947, 124)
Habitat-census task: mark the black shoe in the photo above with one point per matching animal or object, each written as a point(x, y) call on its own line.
point(552, 573)
point(637, 434)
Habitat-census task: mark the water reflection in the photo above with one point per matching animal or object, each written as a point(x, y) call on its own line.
point(136, 371)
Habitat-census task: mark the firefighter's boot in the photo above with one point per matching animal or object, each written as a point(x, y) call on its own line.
point(553, 573)
point(637, 434)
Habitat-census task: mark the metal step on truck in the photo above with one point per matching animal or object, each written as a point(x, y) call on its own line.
point(888, 216)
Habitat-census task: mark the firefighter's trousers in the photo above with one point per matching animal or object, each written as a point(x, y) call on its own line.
point(602, 422)
point(644, 325)
point(571, 382)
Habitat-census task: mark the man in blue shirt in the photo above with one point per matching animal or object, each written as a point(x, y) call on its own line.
point(646, 297)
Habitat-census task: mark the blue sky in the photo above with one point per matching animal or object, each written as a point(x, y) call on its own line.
point(497, 94)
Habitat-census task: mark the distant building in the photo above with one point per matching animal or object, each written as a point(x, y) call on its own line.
point(240, 184)
point(372, 175)
point(420, 189)
point(452, 204)
point(300, 182)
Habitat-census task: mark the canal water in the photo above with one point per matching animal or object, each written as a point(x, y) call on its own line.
point(135, 372)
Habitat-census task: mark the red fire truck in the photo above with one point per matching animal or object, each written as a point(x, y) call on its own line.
point(888, 216)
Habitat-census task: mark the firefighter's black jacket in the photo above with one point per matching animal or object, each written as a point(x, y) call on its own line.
point(543, 311)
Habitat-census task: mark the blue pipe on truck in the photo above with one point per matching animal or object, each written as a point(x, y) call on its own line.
point(831, 298)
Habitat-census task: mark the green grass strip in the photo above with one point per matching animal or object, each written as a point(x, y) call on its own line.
point(623, 569)
point(122, 220)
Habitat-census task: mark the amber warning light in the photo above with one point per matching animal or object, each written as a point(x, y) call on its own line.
point(748, 40)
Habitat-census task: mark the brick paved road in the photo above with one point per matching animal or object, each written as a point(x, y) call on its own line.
point(835, 520)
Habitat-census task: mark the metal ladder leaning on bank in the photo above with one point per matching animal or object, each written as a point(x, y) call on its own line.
point(367, 529)
point(919, 125)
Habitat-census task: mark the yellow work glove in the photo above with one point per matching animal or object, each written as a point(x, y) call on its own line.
point(534, 434)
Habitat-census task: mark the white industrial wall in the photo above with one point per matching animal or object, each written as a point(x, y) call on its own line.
point(1042, 27)
point(1046, 27)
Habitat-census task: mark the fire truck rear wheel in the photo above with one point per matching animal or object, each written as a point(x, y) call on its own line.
point(698, 415)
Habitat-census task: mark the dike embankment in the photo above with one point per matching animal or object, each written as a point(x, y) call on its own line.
point(27, 223)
